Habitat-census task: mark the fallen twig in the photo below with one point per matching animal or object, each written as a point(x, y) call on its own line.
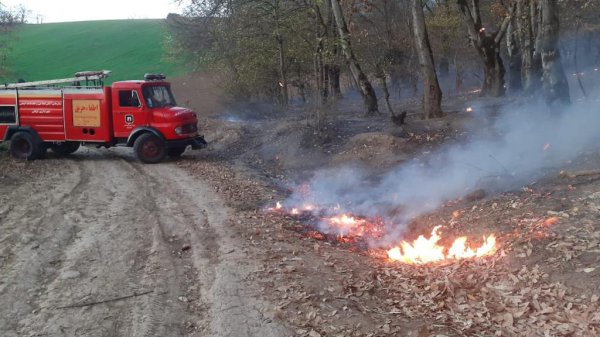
point(572, 175)
point(87, 304)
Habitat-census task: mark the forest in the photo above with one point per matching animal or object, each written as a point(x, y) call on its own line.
point(308, 51)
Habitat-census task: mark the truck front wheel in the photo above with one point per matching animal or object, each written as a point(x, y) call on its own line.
point(23, 145)
point(149, 149)
point(65, 148)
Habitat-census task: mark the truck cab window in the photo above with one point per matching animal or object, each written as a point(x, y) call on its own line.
point(129, 98)
point(158, 96)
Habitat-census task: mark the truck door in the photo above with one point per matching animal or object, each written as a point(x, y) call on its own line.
point(128, 112)
point(8, 111)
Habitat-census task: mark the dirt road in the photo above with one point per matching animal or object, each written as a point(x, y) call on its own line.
point(150, 242)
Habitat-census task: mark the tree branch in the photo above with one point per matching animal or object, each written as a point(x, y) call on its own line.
point(470, 22)
point(80, 305)
point(505, 24)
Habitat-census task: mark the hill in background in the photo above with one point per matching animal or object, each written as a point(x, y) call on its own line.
point(129, 48)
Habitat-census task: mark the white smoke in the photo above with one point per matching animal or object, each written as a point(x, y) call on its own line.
point(522, 145)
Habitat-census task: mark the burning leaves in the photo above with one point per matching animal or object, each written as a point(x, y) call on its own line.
point(318, 289)
point(325, 225)
point(477, 297)
point(349, 229)
point(424, 250)
point(351, 226)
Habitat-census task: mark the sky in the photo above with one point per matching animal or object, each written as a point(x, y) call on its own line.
point(85, 10)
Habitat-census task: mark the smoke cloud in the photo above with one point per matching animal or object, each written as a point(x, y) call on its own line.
point(523, 144)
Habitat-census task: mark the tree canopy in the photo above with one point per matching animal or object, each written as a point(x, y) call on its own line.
point(282, 50)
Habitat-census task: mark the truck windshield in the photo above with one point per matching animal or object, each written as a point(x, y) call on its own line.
point(158, 96)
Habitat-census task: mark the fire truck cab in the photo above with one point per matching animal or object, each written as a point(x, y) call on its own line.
point(143, 114)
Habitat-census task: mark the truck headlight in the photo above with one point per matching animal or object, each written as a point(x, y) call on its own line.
point(179, 130)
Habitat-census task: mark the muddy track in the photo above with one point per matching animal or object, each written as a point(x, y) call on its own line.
point(99, 226)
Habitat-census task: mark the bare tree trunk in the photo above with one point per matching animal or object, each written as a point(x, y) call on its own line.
point(576, 48)
point(386, 93)
point(283, 85)
point(334, 82)
point(536, 28)
point(493, 82)
point(487, 46)
point(432, 94)
point(319, 95)
point(326, 83)
point(554, 80)
point(514, 59)
point(530, 76)
point(320, 67)
point(332, 70)
point(458, 77)
point(366, 90)
point(318, 64)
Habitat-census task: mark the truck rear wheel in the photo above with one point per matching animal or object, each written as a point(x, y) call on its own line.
point(149, 148)
point(24, 145)
point(65, 148)
point(176, 151)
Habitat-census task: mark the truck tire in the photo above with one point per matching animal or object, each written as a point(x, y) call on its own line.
point(149, 148)
point(176, 151)
point(24, 145)
point(65, 148)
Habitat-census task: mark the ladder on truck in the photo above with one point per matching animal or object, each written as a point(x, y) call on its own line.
point(96, 77)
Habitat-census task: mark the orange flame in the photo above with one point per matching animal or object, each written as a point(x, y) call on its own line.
point(349, 228)
point(346, 224)
point(553, 220)
point(424, 250)
point(309, 207)
point(278, 207)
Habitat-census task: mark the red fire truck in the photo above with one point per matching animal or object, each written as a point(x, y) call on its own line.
point(63, 114)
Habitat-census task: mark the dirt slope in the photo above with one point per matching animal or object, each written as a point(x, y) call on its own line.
point(98, 227)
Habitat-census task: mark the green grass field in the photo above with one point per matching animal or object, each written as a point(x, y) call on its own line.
point(129, 48)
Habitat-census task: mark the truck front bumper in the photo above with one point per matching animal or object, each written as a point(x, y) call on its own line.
point(196, 143)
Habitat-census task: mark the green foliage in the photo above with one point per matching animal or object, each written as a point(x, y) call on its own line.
point(129, 48)
point(5, 48)
point(244, 45)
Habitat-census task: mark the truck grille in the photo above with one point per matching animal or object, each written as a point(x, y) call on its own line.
point(189, 128)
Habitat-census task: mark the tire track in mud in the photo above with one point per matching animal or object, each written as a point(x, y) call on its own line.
point(86, 262)
point(182, 226)
point(234, 307)
point(166, 252)
point(146, 264)
point(154, 265)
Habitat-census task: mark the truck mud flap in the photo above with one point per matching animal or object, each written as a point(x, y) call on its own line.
point(198, 143)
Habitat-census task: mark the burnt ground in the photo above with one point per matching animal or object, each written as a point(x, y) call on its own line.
point(99, 226)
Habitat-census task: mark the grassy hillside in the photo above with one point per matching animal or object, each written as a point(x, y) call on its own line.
point(129, 48)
